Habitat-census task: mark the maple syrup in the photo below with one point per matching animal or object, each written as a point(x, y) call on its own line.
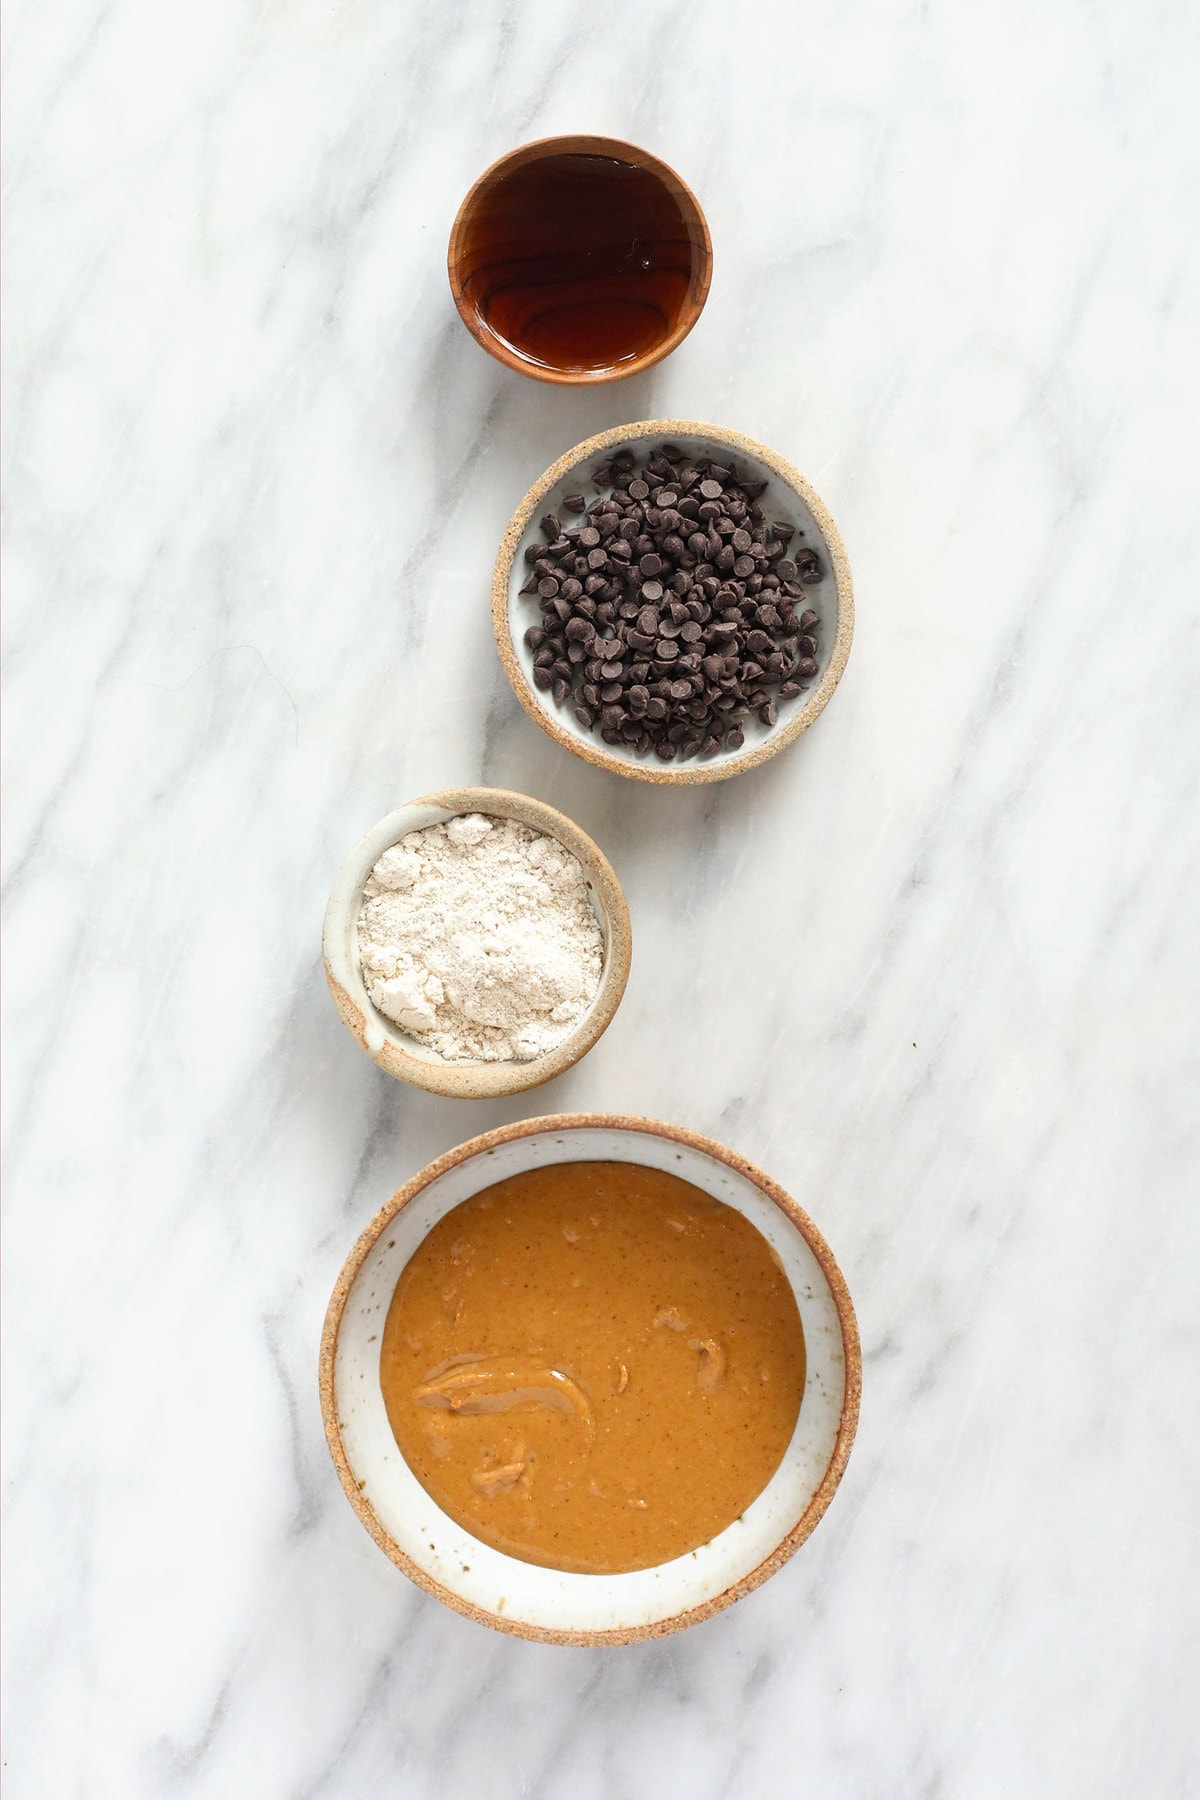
point(580, 263)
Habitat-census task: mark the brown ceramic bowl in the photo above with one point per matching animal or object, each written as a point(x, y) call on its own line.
point(392, 1048)
point(789, 497)
point(542, 268)
point(550, 1604)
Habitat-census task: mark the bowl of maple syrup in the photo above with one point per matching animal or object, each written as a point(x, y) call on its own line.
point(578, 260)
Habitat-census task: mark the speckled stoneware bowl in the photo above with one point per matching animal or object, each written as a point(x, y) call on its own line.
point(549, 1604)
point(788, 498)
point(392, 1048)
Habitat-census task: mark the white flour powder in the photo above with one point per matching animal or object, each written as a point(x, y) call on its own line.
point(478, 939)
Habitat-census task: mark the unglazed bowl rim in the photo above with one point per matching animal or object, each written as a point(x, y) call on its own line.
point(616, 1122)
point(724, 764)
point(579, 145)
point(470, 1080)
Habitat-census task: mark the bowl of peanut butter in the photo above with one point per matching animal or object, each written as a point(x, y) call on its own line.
point(590, 1378)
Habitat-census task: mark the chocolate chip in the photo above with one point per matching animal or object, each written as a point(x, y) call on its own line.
point(697, 594)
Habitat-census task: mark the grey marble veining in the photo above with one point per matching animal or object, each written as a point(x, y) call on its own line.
point(936, 967)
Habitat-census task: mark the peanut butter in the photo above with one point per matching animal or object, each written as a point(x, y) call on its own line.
point(593, 1366)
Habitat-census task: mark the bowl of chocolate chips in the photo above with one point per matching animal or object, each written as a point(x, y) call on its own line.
point(672, 602)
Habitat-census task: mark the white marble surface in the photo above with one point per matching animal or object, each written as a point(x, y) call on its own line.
point(936, 967)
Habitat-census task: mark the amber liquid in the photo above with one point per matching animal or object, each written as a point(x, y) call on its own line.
point(579, 263)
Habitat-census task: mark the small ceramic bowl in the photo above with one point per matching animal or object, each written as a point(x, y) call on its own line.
point(549, 1604)
point(788, 498)
point(510, 255)
point(392, 1048)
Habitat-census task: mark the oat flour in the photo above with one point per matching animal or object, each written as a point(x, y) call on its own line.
point(478, 939)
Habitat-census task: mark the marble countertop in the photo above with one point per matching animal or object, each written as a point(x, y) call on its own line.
point(935, 968)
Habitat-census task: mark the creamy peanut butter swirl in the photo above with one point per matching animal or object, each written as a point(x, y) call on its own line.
point(498, 1384)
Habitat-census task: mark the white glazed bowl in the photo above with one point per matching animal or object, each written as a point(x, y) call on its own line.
point(392, 1048)
point(549, 1604)
point(789, 497)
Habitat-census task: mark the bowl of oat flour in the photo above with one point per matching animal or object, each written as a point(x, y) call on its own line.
point(476, 942)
